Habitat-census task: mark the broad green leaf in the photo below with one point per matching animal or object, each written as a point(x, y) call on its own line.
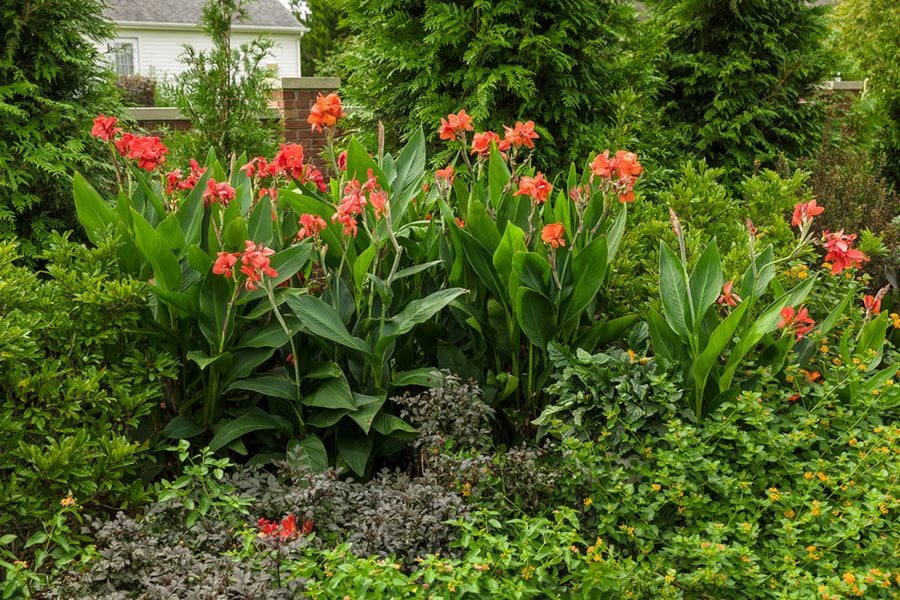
point(498, 176)
point(359, 163)
point(271, 335)
point(416, 312)
point(480, 259)
point(360, 268)
point(717, 342)
point(588, 272)
point(662, 337)
point(355, 449)
point(171, 233)
point(324, 370)
point(765, 273)
point(870, 342)
point(245, 360)
point(413, 270)
point(605, 332)
point(831, 320)
point(325, 417)
point(323, 320)
point(241, 426)
point(764, 324)
point(260, 226)
point(96, 216)
point(182, 427)
point(614, 235)
point(307, 454)
point(190, 211)
point(706, 281)
point(215, 292)
point(386, 424)
point(273, 386)
point(368, 408)
point(331, 393)
point(166, 269)
point(199, 260)
point(673, 292)
point(533, 271)
point(513, 241)
point(536, 317)
point(221, 362)
point(424, 377)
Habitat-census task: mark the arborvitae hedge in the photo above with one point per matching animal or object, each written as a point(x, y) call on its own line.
point(559, 63)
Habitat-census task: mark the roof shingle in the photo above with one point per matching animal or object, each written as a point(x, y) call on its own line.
point(262, 13)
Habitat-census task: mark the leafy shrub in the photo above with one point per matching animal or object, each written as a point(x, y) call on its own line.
point(137, 90)
point(736, 76)
point(79, 387)
point(51, 85)
point(561, 64)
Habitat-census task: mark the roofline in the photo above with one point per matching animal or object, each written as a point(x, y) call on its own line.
point(191, 27)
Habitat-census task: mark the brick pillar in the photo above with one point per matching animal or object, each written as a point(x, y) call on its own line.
point(294, 99)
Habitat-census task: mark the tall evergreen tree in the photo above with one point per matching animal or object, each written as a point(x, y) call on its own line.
point(738, 76)
point(51, 84)
point(560, 63)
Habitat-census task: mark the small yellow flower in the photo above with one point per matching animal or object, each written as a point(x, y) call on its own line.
point(808, 475)
point(588, 501)
point(774, 495)
point(816, 509)
point(527, 573)
point(790, 514)
point(632, 355)
point(656, 487)
point(895, 320)
point(849, 578)
point(467, 489)
point(822, 476)
point(824, 349)
point(67, 501)
point(852, 442)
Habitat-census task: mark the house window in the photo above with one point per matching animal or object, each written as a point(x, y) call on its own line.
point(124, 54)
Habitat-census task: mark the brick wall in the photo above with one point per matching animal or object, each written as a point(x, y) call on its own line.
point(291, 103)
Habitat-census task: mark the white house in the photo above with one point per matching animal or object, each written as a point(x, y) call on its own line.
point(152, 33)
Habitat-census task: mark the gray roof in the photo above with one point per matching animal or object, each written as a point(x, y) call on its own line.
point(262, 13)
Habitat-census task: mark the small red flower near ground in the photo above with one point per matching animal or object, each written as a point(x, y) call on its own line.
point(840, 254)
point(537, 188)
point(325, 112)
point(105, 127)
point(553, 235)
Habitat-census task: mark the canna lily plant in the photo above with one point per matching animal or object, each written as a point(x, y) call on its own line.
point(292, 301)
point(534, 253)
point(710, 327)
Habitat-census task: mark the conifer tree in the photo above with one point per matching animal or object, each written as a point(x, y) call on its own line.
point(52, 84)
point(740, 75)
point(560, 63)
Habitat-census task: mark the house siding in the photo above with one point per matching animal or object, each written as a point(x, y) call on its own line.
point(158, 50)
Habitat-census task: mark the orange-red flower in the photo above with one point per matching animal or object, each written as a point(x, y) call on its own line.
point(446, 174)
point(310, 226)
point(481, 143)
point(148, 151)
point(602, 166)
point(728, 297)
point(841, 255)
point(289, 160)
point(521, 134)
point(459, 222)
point(218, 193)
point(804, 212)
point(872, 304)
point(798, 321)
point(325, 112)
point(105, 127)
point(255, 263)
point(553, 235)
point(283, 531)
point(225, 263)
point(627, 165)
point(537, 188)
point(454, 126)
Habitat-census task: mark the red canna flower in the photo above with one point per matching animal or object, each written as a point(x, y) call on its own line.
point(173, 180)
point(225, 263)
point(326, 111)
point(455, 126)
point(342, 161)
point(537, 188)
point(627, 165)
point(378, 201)
point(872, 304)
point(554, 235)
point(255, 263)
point(283, 531)
point(105, 127)
point(148, 151)
point(459, 222)
point(728, 297)
point(310, 226)
point(840, 254)
point(218, 193)
point(521, 134)
point(481, 143)
point(798, 321)
point(603, 166)
point(446, 174)
point(289, 160)
point(804, 213)
point(307, 527)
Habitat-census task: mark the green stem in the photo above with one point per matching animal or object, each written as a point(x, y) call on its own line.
point(270, 294)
